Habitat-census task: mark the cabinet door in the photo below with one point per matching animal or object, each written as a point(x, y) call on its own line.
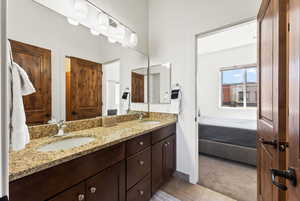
point(169, 157)
point(108, 185)
point(157, 166)
point(163, 162)
point(76, 193)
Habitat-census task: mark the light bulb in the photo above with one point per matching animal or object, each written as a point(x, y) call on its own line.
point(73, 21)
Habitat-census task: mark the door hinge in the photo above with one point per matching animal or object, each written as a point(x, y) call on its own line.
point(283, 146)
point(289, 27)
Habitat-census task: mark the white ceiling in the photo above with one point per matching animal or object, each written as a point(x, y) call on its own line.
point(237, 36)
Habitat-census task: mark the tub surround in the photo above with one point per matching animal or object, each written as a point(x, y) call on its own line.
point(30, 161)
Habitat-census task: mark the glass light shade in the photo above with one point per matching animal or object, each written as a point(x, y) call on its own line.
point(133, 41)
point(120, 32)
point(103, 20)
point(81, 9)
point(73, 21)
point(112, 40)
point(126, 39)
point(95, 32)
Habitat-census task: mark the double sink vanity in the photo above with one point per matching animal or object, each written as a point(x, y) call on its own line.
point(129, 161)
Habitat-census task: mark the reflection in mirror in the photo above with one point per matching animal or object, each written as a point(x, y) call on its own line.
point(76, 75)
point(139, 85)
point(160, 84)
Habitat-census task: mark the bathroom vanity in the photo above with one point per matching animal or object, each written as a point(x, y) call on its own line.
point(128, 168)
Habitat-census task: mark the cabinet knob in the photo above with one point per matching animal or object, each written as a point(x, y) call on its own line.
point(166, 144)
point(142, 162)
point(141, 192)
point(93, 190)
point(80, 197)
point(141, 143)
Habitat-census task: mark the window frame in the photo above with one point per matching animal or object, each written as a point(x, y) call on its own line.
point(245, 67)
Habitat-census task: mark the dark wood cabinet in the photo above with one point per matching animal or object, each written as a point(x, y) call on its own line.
point(163, 161)
point(109, 185)
point(131, 171)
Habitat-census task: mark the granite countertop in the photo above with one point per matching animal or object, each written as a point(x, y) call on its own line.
point(29, 160)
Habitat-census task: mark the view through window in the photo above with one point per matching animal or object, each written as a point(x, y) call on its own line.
point(239, 87)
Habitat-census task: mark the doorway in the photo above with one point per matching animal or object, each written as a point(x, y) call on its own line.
point(227, 109)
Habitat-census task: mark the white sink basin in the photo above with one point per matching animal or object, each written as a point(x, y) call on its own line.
point(149, 122)
point(65, 144)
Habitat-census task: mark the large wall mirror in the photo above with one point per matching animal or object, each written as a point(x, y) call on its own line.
point(78, 77)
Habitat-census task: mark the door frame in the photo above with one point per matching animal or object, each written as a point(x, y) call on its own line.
point(202, 35)
point(4, 138)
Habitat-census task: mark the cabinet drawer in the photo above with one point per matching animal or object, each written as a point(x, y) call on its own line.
point(163, 133)
point(141, 191)
point(75, 193)
point(138, 166)
point(137, 144)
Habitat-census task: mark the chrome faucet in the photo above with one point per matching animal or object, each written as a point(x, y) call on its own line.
point(60, 125)
point(141, 116)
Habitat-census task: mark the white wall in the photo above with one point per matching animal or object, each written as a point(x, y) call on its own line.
point(209, 81)
point(32, 23)
point(173, 25)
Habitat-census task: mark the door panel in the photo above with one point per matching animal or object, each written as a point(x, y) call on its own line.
point(109, 185)
point(84, 89)
point(37, 64)
point(138, 88)
point(73, 194)
point(272, 112)
point(294, 93)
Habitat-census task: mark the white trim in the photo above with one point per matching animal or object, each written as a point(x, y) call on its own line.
point(4, 102)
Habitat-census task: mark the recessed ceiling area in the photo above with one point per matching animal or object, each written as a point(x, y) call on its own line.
point(233, 37)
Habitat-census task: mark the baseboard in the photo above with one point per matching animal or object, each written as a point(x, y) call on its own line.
point(182, 176)
point(4, 198)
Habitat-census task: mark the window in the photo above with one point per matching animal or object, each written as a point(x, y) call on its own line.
point(239, 87)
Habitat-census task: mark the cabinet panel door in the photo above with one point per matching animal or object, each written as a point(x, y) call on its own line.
point(157, 166)
point(109, 185)
point(73, 194)
point(169, 156)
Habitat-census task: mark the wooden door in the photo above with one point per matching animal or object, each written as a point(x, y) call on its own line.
point(83, 89)
point(109, 185)
point(137, 86)
point(169, 157)
point(294, 101)
point(272, 113)
point(36, 62)
point(76, 193)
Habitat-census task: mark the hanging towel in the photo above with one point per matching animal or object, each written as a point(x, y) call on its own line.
point(20, 86)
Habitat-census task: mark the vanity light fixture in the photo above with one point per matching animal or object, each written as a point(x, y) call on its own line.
point(104, 24)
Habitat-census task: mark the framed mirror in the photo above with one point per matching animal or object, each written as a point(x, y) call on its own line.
point(160, 84)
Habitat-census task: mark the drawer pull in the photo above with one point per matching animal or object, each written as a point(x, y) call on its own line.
point(166, 144)
point(141, 192)
point(141, 162)
point(80, 197)
point(93, 190)
point(141, 143)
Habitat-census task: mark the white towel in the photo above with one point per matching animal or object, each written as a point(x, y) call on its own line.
point(20, 86)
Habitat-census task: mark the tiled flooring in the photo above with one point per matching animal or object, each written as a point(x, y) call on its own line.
point(188, 192)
